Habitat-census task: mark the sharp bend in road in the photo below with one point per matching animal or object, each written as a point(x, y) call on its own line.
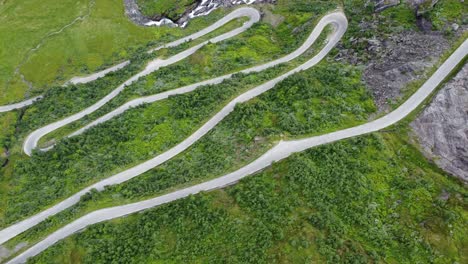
point(337, 19)
point(186, 89)
point(254, 16)
point(281, 151)
point(251, 13)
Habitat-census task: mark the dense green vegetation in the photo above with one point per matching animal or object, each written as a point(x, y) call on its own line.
point(82, 163)
point(369, 199)
point(63, 101)
point(136, 136)
point(146, 131)
point(212, 61)
point(313, 102)
point(308, 103)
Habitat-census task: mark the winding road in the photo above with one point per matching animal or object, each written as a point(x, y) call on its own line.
point(189, 88)
point(251, 13)
point(338, 19)
point(281, 151)
point(254, 16)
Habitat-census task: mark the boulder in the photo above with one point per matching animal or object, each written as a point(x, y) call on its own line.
point(442, 128)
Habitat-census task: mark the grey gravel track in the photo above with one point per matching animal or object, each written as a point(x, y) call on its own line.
point(74, 80)
point(97, 75)
point(254, 16)
point(281, 151)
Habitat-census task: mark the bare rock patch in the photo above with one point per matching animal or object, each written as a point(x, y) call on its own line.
point(399, 60)
point(442, 128)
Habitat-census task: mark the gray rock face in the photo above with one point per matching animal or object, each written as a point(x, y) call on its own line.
point(420, 6)
point(442, 128)
point(399, 60)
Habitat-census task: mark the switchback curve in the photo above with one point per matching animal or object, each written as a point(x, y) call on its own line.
point(281, 151)
point(32, 139)
point(189, 88)
point(337, 19)
point(253, 14)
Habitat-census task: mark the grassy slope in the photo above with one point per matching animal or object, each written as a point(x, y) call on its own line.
point(103, 38)
point(135, 144)
point(22, 25)
point(447, 12)
point(229, 146)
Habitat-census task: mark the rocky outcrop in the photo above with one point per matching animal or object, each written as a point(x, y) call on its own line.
point(392, 60)
point(399, 60)
point(442, 128)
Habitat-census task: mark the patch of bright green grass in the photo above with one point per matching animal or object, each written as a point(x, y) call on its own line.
point(449, 11)
point(23, 24)
point(401, 15)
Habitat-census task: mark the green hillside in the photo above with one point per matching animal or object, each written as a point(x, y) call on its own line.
point(369, 199)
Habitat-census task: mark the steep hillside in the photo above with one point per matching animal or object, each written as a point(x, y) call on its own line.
point(374, 198)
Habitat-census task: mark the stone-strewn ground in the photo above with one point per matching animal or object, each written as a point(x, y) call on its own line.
point(442, 128)
point(401, 59)
point(393, 60)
